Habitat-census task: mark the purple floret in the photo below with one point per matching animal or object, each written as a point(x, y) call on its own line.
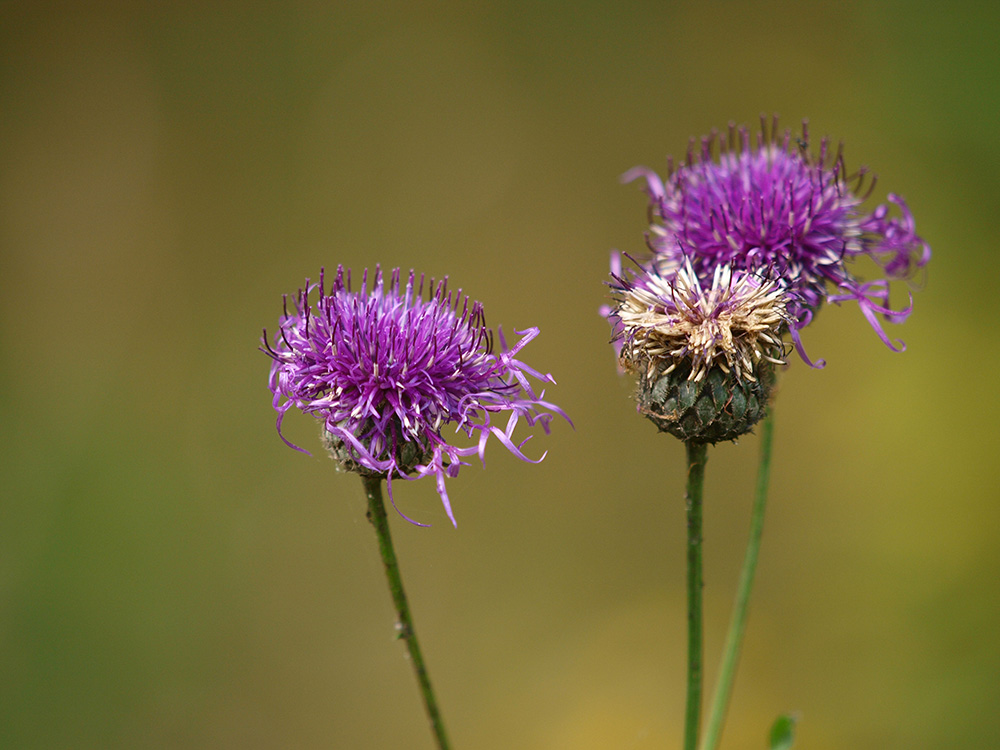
point(776, 210)
point(383, 367)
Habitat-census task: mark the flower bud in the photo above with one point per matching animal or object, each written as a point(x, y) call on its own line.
point(719, 406)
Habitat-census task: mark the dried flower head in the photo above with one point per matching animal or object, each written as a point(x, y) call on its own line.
point(704, 352)
point(735, 323)
point(384, 369)
point(776, 210)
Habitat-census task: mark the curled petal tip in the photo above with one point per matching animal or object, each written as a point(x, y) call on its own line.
point(654, 185)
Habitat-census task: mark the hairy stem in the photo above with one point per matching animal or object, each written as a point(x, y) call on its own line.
point(377, 516)
point(737, 627)
point(697, 455)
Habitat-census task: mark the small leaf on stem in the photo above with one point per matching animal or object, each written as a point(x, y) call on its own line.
point(782, 733)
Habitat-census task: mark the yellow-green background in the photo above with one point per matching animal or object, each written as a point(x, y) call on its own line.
point(172, 576)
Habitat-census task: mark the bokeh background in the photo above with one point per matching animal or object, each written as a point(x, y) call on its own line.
point(172, 576)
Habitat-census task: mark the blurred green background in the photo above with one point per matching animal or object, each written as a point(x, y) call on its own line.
point(172, 576)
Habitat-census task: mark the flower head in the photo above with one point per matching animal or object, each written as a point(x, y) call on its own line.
point(704, 352)
point(775, 210)
point(384, 369)
point(735, 321)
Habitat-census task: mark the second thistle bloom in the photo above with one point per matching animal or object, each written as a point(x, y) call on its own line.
point(385, 369)
point(747, 241)
point(776, 209)
point(733, 322)
point(703, 351)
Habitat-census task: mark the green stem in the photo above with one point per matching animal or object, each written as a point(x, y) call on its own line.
point(734, 638)
point(377, 516)
point(697, 455)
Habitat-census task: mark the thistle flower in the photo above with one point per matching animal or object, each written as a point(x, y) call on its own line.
point(384, 369)
point(736, 323)
point(778, 211)
point(704, 353)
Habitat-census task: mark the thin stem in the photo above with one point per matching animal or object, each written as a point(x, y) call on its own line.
point(697, 455)
point(377, 516)
point(734, 638)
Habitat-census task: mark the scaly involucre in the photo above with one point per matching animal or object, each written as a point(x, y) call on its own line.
point(775, 210)
point(384, 369)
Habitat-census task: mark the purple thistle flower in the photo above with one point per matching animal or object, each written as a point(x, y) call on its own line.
point(775, 210)
point(385, 369)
